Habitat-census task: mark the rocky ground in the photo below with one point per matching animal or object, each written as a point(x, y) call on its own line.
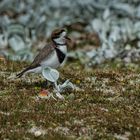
point(105, 104)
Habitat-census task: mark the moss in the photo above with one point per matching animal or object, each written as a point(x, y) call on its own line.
point(105, 106)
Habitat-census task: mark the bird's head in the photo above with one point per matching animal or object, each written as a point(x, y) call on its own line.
point(59, 36)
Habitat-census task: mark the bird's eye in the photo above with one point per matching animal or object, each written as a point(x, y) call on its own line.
point(57, 35)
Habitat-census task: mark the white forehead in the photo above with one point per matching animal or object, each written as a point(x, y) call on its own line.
point(64, 33)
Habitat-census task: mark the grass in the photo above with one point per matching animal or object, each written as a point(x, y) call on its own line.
point(106, 104)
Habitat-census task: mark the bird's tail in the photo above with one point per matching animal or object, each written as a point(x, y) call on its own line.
point(21, 73)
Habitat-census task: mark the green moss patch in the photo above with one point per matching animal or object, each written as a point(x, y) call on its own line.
point(105, 104)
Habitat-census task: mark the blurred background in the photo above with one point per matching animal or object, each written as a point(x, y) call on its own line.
point(103, 65)
point(100, 30)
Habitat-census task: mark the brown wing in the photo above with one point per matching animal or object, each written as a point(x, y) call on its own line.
point(43, 54)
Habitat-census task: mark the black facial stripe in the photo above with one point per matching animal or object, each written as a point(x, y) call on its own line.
point(60, 44)
point(55, 37)
point(60, 54)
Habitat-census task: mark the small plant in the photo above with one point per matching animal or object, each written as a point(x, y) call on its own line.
point(52, 75)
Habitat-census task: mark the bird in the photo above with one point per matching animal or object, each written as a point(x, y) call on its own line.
point(52, 55)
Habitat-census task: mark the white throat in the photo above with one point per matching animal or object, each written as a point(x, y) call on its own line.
point(60, 40)
point(62, 48)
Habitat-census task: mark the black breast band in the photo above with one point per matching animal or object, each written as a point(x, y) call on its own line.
point(60, 54)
